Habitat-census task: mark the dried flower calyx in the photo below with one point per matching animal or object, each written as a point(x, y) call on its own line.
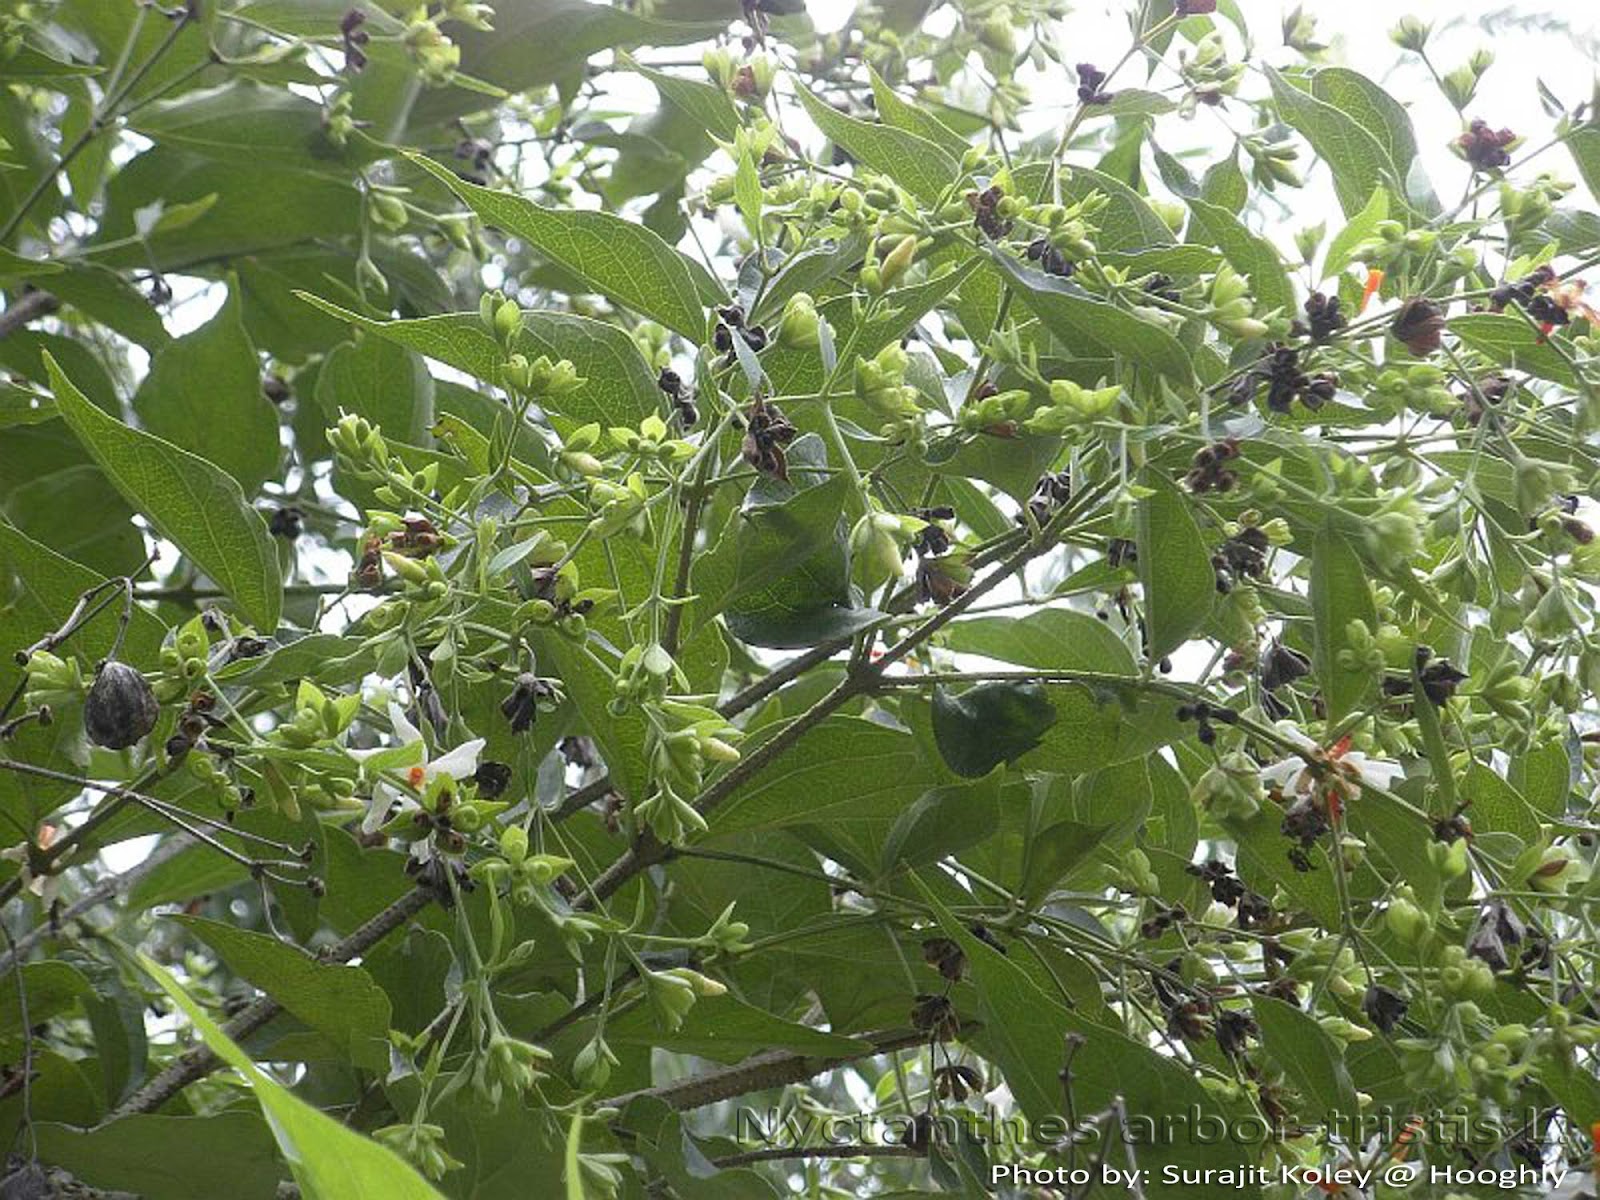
point(121, 707)
point(1485, 148)
point(1091, 85)
point(766, 432)
point(1419, 326)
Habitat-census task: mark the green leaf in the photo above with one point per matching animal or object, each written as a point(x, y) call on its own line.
point(618, 258)
point(944, 820)
point(329, 1160)
point(1052, 639)
point(916, 164)
point(1340, 594)
point(747, 193)
point(337, 1000)
point(383, 381)
point(1357, 230)
point(1583, 143)
point(1249, 253)
point(1180, 584)
point(203, 394)
point(246, 123)
point(706, 103)
point(912, 118)
point(727, 1030)
point(1386, 119)
point(618, 388)
point(989, 724)
point(1543, 774)
point(847, 769)
point(189, 501)
point(52, 988)
point(1085, 323)
point(1496, 807)
point(1360, 165)
point(82, 516)
point(176, 1157)
point(1024, 1030)
point(1512, 342)
point(1311, 1059)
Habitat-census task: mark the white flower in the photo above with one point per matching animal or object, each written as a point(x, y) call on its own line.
point(1295, 776)
point(45, 886)
point(408, 760)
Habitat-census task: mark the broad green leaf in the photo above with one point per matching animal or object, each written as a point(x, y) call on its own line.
point(913, 118)
point(228, 1153)
point(247, 123)
point(1024, 1030)
point(1180, 584)
point(944, 820)
point(335, 999)
point(618, 389)
point(1249, 253)
point(990, 724)
point(727, 1030)
point(1340, 594)
point(81, 515)
point(916, 164)
point(109, 297)
point(1086, 323)
point(381, 380)
point(1357, 230)
point(329, 1160)
point(1053, 639)
point(1496, 806)
point(1264, 866)
point(1583, 143)
point(52, 988)
point(190, 502)
point(1512, 342)
point(1359, 163)
point(1386, 119)
point(1312, 1060)
point(618, 258)
point(708, 104)
point(1543, 774)
point(845, 770)
point(203, 394)
point(199, 871)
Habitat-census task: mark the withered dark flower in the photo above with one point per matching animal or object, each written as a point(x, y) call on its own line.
point(286, 522)
point(1234, 1027)
point(1208, 471)
point(521, 706)
point(1419, 325)
point(1194, 8)
point(985, 207)
point(121, 707)
point(1091, 85)
point(1190, 1020)
point(1439, 679)
point(935, 1016)
point(766, 432)
point(1323, 318)
point(1048, 257)
point(1383, 1007)
point(1053, 489)
point(491, 779)
point(1486, 149)
point(353, 40)
point(944, 956)
point(956, 1082)
point(1280, 665)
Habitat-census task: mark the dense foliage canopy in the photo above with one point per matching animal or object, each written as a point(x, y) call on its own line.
point(589, 588)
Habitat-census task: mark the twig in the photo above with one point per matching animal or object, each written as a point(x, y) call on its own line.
point(29, 307)
point(778, 1153)
point(774, 1069)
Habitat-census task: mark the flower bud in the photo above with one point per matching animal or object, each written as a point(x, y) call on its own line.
point(898, 261)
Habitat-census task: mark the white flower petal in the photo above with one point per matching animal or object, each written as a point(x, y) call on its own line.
point(1282, 774)
point(458, 763)
point(404, 730)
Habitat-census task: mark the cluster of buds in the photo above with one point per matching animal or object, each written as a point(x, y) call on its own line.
point(435, 55)
point(1208, 73)
point(650, 442)
point(1073, 406)
point(1271, 162)
point(1421, 388)
point(619, 506)
point(422, 1145)
point(339, 122)
point(878, 545)
point(680, 742)
point(726, 935)
point(750, 82)
point(800, 327)
point(1231, 310)
point(993, 412)
point(318, 718)
point(1460, 86)
point(672, 993)
point(1524, 209)
point(878, 276)
point(507, 1065)
point(522, 873)
point(880, 382)
point(447, 812)
point(1231, 789)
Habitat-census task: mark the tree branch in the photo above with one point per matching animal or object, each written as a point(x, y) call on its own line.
point(779, 1153)
point(776, 1068)
point(26, 309)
